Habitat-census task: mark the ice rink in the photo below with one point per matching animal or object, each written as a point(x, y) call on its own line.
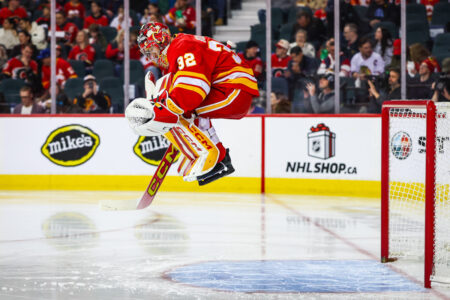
point(60, 245)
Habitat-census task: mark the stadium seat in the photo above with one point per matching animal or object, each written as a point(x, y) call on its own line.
point(134, 17)
point(137, 73)
point(73, 87)
point(361, 11)
point(78, 67)
point(37, 13)
point(99, 54)
point(103, 68)
point(114, 88)
point(240, 46)
point(135, 28)
point(173, 29)
point(389, 26)
point(280, 85)
point(258, 34)
point(417, 32)
point(416, 12)
point(292, 17)
point(286, 31)
point(441, 47)
point(277, 18)
point(441, 14)
point(108, 32)
point(11, 89)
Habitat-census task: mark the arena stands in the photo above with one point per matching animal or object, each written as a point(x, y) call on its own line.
point(90, 38)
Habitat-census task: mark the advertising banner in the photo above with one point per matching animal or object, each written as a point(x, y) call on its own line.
point(107, 146)
point(323, 148)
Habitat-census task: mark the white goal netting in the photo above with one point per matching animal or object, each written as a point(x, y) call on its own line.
point(407, 173)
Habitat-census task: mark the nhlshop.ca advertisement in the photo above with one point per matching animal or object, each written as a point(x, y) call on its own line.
point(323, 148)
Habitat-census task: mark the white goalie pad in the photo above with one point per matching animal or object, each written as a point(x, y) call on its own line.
point(199, 152)
point(155, 91)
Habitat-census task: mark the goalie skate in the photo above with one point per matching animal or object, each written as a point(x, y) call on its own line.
point(222, 169)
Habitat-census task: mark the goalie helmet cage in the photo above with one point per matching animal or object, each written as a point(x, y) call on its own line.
point(415, 179)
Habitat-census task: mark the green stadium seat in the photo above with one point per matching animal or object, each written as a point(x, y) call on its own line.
point(108, 32)
point(417, 32)
point(240, 46)
point(11, 89)
point(103, 68)
point(137, 73)
point(114, 88)
point(134, 17)
point(361, 11)
point(441, 14)
point(99, 54)
point(441, 46)
point(286, 32)
point(258, 34)
point(78, 67)
point(135, 28)
point(73, 87)
point(292, 16)
point(416, 12)
point(277, 18)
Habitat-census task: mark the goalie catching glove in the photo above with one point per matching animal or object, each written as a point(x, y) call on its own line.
point(148, 118)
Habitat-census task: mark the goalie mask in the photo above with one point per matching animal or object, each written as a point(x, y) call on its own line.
point(153, 40)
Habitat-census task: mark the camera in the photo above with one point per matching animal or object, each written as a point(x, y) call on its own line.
point(380, 81)
point(442, 81)
point(91, 85)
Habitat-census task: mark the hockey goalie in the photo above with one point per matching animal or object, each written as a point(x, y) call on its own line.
point(205, 80)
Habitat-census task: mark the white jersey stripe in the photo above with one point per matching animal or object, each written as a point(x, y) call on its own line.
point(193, 81)
point(234, 76)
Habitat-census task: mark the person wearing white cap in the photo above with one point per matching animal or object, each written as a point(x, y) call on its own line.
point(280, 59)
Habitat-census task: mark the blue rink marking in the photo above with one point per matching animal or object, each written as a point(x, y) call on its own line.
point(309, 276)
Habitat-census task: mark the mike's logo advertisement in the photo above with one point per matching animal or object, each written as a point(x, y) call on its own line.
point(70, 145)
point(151, 149)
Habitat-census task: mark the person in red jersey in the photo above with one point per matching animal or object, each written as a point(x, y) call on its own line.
point(19, 67)
point(250, 56)
point(96, 17)
point(116, 51)
point(205, 80)
point(12, 10)
point(65, 31)
point(280, 59)
point(74, 9)
point(64, 70)
point(83, 51)
point(182, 16)
point(44, 20)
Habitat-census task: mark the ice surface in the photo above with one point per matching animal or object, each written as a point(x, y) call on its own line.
point(60, 245)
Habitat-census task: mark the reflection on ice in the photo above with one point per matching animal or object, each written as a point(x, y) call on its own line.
point(59, 245)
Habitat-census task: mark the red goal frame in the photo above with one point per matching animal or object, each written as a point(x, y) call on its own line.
point(430, 179)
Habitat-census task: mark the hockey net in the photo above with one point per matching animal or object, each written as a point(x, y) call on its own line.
point(415, 218)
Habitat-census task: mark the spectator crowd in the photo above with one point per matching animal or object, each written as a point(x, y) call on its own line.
point(90, 53)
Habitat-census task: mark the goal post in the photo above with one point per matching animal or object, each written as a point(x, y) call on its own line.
point(415, 179)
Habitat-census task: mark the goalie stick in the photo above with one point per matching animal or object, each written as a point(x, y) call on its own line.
point(152, 189)
point(158, 177)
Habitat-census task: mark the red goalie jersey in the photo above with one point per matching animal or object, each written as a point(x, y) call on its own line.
point(208, 76)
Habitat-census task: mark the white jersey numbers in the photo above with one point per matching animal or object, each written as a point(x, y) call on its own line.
point(188, 60)
point(216, 46)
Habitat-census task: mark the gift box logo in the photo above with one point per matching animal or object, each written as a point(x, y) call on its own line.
point(321, 142)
